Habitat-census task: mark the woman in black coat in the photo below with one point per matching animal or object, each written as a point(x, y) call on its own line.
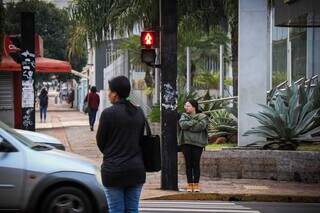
point(120, 130)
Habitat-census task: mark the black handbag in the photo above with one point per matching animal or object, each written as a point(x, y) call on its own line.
point(150, 145)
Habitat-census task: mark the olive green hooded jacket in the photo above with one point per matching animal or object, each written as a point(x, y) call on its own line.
point(194, 129)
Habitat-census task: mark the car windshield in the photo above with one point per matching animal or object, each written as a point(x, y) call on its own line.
point(17, 135)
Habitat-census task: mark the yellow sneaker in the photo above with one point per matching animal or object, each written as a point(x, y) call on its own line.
point(196, 187)
point(190, 187)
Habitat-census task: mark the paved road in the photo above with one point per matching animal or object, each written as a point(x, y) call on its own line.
point(225, 207)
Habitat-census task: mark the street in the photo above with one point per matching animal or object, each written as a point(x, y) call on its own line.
point(227, 207)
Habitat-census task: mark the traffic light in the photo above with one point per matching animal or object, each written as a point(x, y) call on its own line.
point(149, 41)
point(148, 56)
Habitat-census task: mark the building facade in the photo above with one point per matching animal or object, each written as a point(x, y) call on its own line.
point(278, 41)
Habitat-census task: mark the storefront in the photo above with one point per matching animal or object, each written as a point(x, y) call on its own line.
point(10, 80)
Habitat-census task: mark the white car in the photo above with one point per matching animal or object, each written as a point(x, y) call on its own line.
point(42, 139)
point(36, 178)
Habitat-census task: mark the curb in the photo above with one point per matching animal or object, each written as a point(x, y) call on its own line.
point(61, 127)
point(241, 197)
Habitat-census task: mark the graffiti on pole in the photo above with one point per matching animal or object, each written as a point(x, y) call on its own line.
point(169, 101)
point(28, 69)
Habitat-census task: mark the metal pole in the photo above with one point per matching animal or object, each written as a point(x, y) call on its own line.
point(28, 65)
point(289, 59)
point(169, 172)
point(188, 70)
point(157, 78)
point(221, 85)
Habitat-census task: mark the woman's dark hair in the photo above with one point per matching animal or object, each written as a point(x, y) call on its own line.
point(43, 92)
point(195, 104)
point(93, 89)
point(121, 85)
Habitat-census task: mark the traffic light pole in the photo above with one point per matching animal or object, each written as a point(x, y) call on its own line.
point(169, 175)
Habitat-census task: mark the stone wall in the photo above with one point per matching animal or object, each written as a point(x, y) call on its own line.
point(259, 164)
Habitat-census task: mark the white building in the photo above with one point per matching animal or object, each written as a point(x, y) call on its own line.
point(269, 55)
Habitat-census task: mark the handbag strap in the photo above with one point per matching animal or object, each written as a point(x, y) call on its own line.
point(147, 127)
point(146, 124)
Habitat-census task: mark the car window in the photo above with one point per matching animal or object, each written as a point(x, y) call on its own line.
point(27, 142)
point(8, 147)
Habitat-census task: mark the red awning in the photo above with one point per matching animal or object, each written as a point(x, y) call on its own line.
point(42, 65)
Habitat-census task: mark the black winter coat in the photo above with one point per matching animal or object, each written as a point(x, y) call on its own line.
point(118, 138)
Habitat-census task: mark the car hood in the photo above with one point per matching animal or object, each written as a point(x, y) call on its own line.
point(38, 137)
point(58, 161)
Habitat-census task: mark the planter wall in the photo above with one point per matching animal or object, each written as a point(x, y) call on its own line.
point(260, 164)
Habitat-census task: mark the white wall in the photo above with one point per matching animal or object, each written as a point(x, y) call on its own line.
point(254, 44)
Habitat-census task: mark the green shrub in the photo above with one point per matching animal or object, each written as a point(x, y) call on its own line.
point(222, 124)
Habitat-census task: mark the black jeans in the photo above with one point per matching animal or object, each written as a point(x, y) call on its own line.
point(192, 156)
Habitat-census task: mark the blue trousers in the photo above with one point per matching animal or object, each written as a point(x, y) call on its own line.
point(43, 113)
point(92, 117)
point(123, 199)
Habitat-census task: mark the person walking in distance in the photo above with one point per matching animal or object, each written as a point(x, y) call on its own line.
point(71, 97)
point(193, 137)
point(43, 103)
point(93, 101)
point(120, 131)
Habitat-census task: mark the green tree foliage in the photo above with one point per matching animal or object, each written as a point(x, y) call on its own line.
point(197, 20)
point(51, 23)
point(107, 18)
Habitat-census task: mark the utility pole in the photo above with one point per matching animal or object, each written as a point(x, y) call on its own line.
point(28, 68)
point(169, 172)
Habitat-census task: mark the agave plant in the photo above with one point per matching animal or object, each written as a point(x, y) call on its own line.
point(222, 124)
point(290, 117)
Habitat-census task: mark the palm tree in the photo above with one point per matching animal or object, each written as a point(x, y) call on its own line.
point(204, 46)
point(106, 18)
point(212, 13)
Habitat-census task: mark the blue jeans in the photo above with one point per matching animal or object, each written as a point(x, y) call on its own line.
point(92, 117)
point(43, 113)
point(123, 199)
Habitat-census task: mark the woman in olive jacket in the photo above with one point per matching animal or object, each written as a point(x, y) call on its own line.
point(193, 137)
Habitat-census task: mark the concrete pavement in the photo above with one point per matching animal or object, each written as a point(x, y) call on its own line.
point(72, 128)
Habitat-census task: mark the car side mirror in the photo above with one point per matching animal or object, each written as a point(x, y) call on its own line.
point(6, 147)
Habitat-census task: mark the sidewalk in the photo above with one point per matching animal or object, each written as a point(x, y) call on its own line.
point(72, 129)
point(61, 116)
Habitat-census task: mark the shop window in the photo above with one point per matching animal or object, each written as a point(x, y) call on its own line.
point(298, 38)
point(279, 55)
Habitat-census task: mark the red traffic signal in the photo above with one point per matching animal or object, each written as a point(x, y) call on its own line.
point(148, 39)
